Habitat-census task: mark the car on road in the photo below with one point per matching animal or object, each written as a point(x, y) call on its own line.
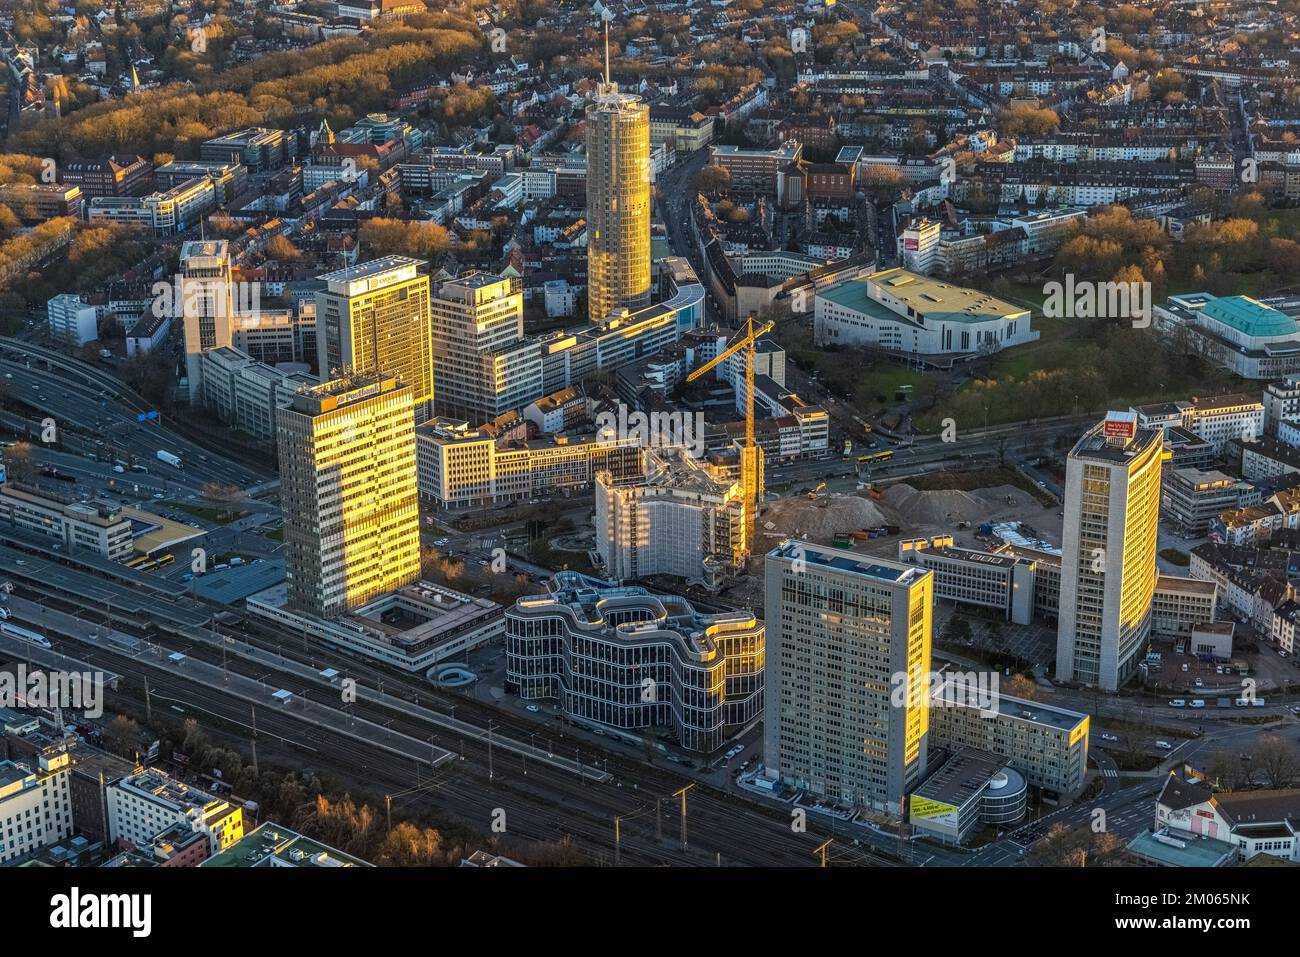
point(1105, 736)
point(1177, 703)
point(533, 708)
point(1164, 746)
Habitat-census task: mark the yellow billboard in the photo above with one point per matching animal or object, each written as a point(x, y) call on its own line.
point(925, 807)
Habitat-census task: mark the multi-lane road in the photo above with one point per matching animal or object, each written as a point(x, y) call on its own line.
point(88, 420)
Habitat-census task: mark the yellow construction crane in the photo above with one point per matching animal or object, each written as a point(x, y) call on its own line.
point(751, 461)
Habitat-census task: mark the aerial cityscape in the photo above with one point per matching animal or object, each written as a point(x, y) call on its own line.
point(744, 433)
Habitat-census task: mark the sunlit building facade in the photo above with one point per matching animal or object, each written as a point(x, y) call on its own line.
point(1108, 567)
point(375, 317)
point(630, 659)
point(842, 630)
point(348, 491)
point(483, 366)
point(205, 306)
point(618, 203)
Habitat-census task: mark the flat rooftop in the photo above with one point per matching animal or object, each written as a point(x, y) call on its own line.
point(1034, 711)
point(940, 301)
point(838, 559)
point(273, 845)
point(362, 277)
point(1196, 851)
point(961, 777)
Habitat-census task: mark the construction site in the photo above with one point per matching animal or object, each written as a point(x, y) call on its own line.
point(873, 520)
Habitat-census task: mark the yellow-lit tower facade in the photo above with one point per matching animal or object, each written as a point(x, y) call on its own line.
point(348, 490)
point(618, 200)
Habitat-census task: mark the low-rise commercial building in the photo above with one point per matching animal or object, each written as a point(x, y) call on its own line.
point(144, 805)
point(95, 526)
point(413, 628)
point(970, 577)
point(969, 790)
point(459, 467)
point(35, 807)
point(1046, 744)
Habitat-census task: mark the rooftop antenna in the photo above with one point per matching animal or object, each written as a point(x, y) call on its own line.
point(606, 19)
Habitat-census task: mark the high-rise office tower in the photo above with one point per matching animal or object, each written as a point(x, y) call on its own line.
point(483, 366)
point(348, 490)
point(618, 200)
point(1108, 561)
point(205, 305)
point(844, 631)
point(374, 317)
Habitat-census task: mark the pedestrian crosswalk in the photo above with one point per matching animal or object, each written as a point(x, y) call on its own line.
point(1110, 773)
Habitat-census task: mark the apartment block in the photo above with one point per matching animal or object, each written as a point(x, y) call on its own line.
point(144, 805)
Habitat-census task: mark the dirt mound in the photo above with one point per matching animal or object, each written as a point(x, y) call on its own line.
point(948, 506)
point(797, 517)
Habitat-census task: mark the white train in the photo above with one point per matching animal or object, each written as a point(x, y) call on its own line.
point(13, 631)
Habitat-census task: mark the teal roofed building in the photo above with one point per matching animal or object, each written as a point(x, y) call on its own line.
point(1252, 338)
point(1250, 317)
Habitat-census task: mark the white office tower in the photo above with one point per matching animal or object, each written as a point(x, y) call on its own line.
point(1108, 565)
point(843, 632)
point(483, 366)
point(205, 305)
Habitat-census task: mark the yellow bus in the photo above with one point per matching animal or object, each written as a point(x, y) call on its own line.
point(166, 559)
point(871, 457)
point(137, 561)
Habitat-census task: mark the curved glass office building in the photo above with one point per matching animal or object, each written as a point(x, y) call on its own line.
point(624, 657)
